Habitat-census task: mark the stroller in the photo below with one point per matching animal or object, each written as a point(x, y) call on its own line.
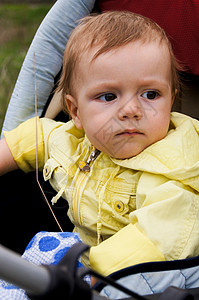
point(63, 281)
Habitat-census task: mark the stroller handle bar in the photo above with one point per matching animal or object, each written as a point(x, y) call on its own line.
point(34, 279)
point(62, 282)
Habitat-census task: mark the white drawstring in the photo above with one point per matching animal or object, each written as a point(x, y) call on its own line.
point(61, 191)
point(58, 195)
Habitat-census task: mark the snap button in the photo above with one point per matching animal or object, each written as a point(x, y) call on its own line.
point(46, 170)
point(119, 206)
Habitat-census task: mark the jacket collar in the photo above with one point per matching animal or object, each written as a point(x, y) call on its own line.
point(176, 156)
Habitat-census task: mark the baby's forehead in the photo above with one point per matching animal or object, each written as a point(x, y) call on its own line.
point(91, 53)
point(146, 58)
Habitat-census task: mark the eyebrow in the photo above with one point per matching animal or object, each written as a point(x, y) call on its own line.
point(103, 85)
point(144, 82)
point(154, 81)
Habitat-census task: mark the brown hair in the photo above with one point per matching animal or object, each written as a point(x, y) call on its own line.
point(110, 30)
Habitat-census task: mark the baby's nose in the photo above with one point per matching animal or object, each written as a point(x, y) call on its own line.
point(131, 109)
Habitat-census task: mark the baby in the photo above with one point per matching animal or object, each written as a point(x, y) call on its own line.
point(127, 167)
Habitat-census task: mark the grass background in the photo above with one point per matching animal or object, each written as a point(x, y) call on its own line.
point(18, 24)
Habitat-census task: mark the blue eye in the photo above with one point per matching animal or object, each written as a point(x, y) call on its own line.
point(150, 95)
point(107, 97)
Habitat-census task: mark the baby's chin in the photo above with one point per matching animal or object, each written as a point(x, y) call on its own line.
point(123, 154)
point(127, 152)
point(123, 157)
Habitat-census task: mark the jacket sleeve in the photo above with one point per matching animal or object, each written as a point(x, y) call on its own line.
point(26, 142)
point(22, 144)
point(48, 45)
point(163, 227)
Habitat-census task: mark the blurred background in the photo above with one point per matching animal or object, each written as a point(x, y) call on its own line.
point(19, 21)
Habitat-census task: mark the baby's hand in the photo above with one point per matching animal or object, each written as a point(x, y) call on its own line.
point(93, 281)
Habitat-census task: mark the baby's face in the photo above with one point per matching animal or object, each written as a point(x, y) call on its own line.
point(124, 98)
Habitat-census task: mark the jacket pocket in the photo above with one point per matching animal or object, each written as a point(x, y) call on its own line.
point(55, 173)
point(118, 204)
point(122, 203)
point(50, 167)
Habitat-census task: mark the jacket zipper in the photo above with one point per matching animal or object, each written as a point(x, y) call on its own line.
point(81, 181)
point(79, 187)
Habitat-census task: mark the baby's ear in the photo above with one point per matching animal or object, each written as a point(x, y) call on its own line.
point(174, 95)
point(72, 106)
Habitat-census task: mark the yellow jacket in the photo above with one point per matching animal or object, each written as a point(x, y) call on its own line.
point(129, 211)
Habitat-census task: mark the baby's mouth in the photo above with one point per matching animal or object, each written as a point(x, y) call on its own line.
point(129, 132)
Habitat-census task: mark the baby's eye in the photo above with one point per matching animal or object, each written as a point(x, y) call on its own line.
point(151, 95)
point(107, 97)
